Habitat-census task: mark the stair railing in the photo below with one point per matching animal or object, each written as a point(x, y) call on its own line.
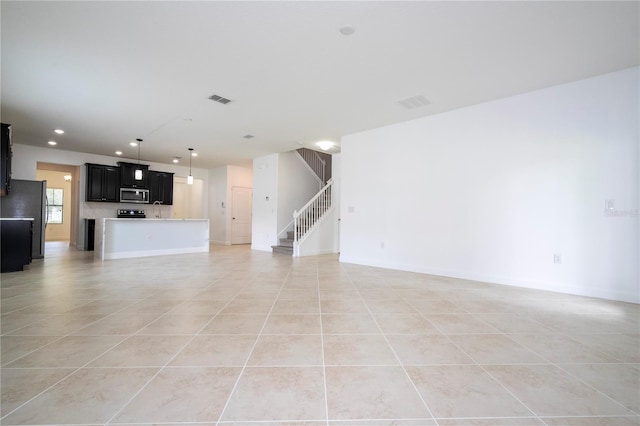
point(309, 215)
point(284, 231)
point(313, 159)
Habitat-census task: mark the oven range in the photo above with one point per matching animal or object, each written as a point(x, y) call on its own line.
point(130, 213)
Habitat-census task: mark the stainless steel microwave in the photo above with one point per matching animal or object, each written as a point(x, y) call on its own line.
point(132, 195)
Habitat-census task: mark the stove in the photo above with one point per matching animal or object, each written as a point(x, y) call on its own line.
point(129, 213)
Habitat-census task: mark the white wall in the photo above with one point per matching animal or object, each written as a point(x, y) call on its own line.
point(218, 212)
point(321, 240)
point(491, 192)
point(336, 173)
point(325, 238)
point(282, 183)
point(222, 179)
point(297, 184)
point(265, 202)
point(24, 166)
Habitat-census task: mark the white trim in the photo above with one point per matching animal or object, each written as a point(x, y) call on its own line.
point(603, 293)
point(148, 253)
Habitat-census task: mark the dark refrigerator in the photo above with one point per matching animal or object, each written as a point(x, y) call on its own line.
point(28, 198)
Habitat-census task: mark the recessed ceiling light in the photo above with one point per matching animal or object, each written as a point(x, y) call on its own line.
point(347, 30)
point(325, 145)
point(118, 152)
point(59, 131)
point(248, 136)
point(133, 143)
point(176, 160)
point(194, 154)
point(52, 143)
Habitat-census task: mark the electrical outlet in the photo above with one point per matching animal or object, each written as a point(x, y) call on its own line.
point(557, 258)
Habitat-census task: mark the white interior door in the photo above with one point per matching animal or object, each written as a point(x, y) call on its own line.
point(241, 200)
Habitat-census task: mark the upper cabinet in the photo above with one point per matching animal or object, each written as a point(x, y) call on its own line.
point(160, 187)
point(129, 178)
point(5, 160)
point(103, 183)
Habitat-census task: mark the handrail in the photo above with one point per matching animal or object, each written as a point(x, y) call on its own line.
point(315, 161)
point(286, 228)
point(310, 213)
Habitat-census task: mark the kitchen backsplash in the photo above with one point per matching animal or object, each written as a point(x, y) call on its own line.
point(104, 210)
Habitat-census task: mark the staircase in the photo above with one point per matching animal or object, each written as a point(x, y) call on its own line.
point(318, 162)
point(285, 246)
point(306, 219)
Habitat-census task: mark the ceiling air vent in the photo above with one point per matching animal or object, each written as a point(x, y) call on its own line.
point(219, 99)
point(414, 102)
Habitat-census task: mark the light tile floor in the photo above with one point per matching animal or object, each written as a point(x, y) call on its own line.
point(238, 337)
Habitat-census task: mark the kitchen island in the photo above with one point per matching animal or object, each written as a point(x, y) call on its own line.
point(126, 238)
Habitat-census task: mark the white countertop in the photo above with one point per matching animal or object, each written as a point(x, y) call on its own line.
point(17, 218)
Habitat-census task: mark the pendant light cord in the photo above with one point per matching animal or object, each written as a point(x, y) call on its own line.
point(139, 143)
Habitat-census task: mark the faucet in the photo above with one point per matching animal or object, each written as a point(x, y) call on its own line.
point(159, 214)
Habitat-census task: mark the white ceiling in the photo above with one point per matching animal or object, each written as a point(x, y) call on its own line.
point(110, 72)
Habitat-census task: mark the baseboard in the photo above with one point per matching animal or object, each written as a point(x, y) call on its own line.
point(261, 248)
point(555, 287)
point(318, 252)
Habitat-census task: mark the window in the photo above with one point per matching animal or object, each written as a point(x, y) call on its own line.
point(55, 196)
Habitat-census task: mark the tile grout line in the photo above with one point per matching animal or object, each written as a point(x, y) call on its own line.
point(324, 364)
point(594, 388)
point(493, 378)
point(415, 388)
point(372, 302)
point(255, 343)
point(75, 369)
point(72, 333)
point(160, 369)
point(558, 365)
point(498, 332)
point(548, 362)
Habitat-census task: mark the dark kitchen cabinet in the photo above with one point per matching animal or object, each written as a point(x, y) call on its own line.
point(15, 241)
point(5, 160)
point(89, 234)
point(160, 187)
point(103, 183)
point(128, 178)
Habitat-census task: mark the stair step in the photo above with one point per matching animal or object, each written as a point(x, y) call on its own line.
point(286, 242)
point(282, 250)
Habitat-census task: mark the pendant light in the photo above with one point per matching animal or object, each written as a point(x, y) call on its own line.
point(190, 177)
point(138, 172)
